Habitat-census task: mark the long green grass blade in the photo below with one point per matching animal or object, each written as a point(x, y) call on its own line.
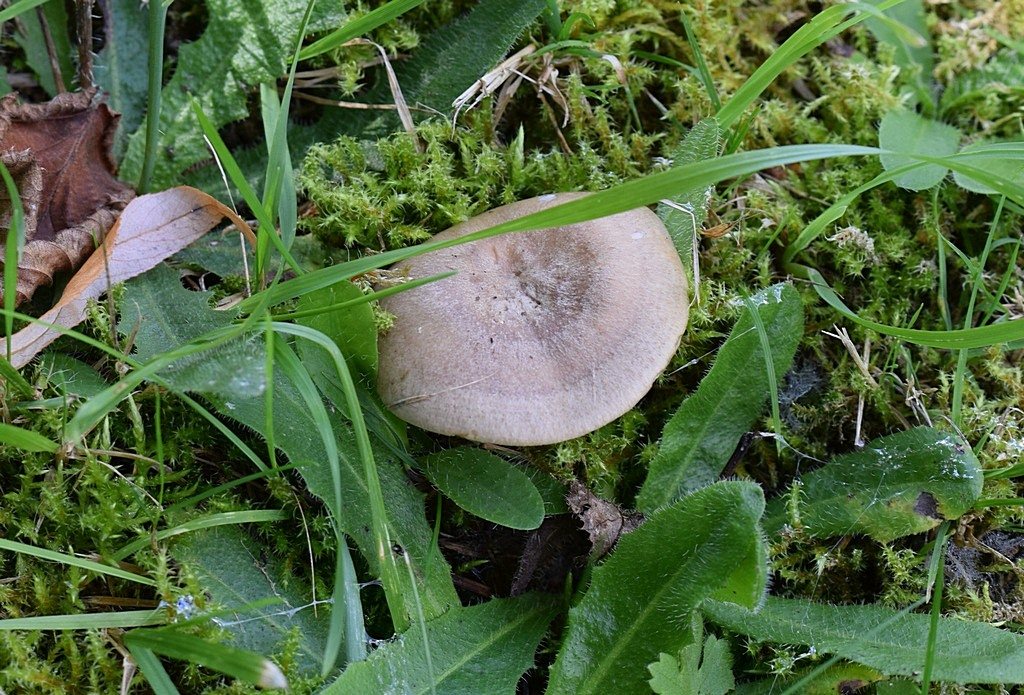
point(17, 8)
point(238, 663)
point(86, 621)
point(357, 27)
point(820, 29)
point(63, 558)
point(620, 198)
point(26, 440)
point(153, 670)
point(12, 254)
point(255, 516)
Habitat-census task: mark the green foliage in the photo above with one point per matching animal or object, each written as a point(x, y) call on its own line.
point(884, 639)
point(246, 666)
point(451, 59)
point(1011, 168)
point(266, 605)
point(905, 132)
point(353, 328)
point(699, 439)
point(249, 41)
point(479, 649)
point(390, 194)
point(704, 667)
point(700, 144)
point(897, 485)
point(487, 486)
point(120, 69)
point(707, 544)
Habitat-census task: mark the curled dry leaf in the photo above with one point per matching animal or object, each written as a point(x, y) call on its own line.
point(151, 228)
point(59, 156)
point(603, 521)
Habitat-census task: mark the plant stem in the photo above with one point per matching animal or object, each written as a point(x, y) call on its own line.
point(157, 21)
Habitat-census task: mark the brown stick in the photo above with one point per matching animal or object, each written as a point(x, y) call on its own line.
point(51, 51)
point(83, 10)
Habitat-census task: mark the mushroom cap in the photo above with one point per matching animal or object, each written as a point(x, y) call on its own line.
point(541, 336)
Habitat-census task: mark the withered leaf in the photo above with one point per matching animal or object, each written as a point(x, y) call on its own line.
point(151, 228)
point(603, 521)
point(59, 154)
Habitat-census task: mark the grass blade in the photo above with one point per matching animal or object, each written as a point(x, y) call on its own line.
point(357, 27)
point(238, 663)
point(204, 522)
point(26, 440)
point(86, 621)
point(90, 565)
point(153, 670)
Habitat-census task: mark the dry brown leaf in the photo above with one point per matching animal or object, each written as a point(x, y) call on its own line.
point(59, 154)
point(151, 228)
point(603, 521)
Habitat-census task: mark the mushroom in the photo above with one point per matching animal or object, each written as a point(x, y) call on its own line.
point(540, 336)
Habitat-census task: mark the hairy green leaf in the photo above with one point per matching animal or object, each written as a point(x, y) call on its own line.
point(467, 651)
point(641, 599)
point(352, 328)
point(1010, 168)
point(895, 486)
point(907, 32)
point(890, 641)
point(457, 55)
point(237, 572)
point(699, 145)
point(70, 376)
point(486, 485)
point(701, 436)
point(245, 43)
point(118, 68)
point(907, 132)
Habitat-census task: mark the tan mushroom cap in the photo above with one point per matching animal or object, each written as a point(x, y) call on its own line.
point(541, 336)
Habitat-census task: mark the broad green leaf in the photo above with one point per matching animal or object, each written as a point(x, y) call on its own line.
point(656, 576)
point(701, 436)
point(236, 571)
point(833, 680)
point(121, 69)
point(70, 376)
point(1010, 168)
point(248, 41)
point(907, 32)
point(159, 314)
point(467, 651)
point(895, 486)
point(699, 145)
point(889, 641)
point(457, 55)
point(294, 434)
point(238, 663)
point(487, 486)
point(352, 328)
point(26, 440)
point(696, 672)
point(907, 132)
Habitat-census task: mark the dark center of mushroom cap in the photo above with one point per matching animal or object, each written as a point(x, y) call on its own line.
point(533, 287)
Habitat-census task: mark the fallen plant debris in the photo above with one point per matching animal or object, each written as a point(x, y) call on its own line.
point(151, 228)
point(59, 155)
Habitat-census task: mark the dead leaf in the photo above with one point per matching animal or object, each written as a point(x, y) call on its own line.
point(59, 154)
point(603, 521)
point(151, 228)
